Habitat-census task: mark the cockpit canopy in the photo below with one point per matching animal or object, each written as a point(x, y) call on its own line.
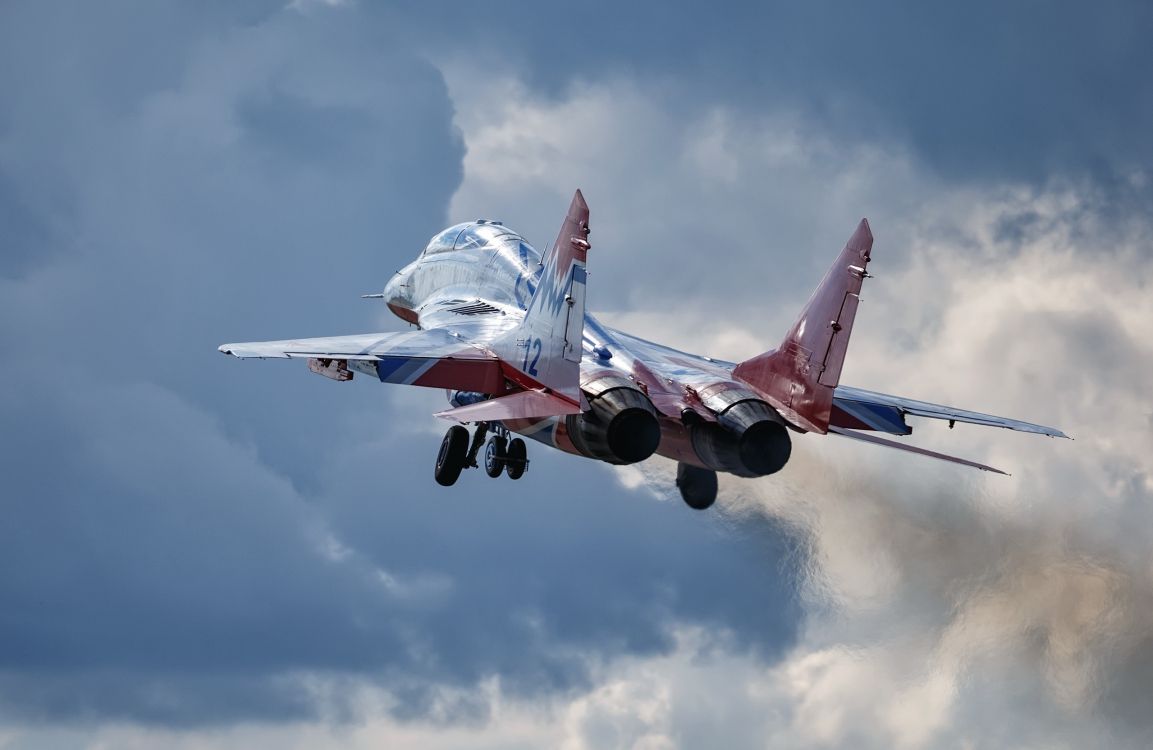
point(475, 235)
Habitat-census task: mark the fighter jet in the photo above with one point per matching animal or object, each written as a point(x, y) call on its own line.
point(504, 330)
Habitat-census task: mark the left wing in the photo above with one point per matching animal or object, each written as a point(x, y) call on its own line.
point(435, 358)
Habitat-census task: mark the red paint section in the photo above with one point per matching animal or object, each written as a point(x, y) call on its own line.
point(677, 444)
point(516, 377)
point(672, 400)
point(408, 316)
point(798, 377)
point(522, 405)
point(480, 375)
point(527, 383)
point(572, 242)
point(562, 440)
point(842, 418)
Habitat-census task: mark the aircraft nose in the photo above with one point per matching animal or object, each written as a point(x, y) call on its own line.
point(391, 288)
point(398, 287)
point(398, 294)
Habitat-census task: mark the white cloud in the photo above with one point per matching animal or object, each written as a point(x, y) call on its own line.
point(933, 593)
point(944, 608)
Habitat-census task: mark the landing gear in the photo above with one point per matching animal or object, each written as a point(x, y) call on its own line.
point(516, 462)
point(494, 456)
point(452, 457)
point(698, 486)
point(459, 452)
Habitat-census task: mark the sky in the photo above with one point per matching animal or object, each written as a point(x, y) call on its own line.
point(202, 553)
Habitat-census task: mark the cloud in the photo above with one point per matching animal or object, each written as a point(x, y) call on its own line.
point(941, 606)
point(983, 94)
point(947, 608)
point(193, 541)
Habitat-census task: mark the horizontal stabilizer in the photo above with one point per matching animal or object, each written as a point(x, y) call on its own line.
point(523, 405)
point(910, 448)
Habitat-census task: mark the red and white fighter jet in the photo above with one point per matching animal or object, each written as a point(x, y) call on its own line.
point(505, 331)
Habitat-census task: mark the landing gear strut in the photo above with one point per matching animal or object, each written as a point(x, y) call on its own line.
point(458, 452)
point(698, 486)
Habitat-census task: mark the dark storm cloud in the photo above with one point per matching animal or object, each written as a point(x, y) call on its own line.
point(156, 572)
point(185, 535)
point(1018, 90)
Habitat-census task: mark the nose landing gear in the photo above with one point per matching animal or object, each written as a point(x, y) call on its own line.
point(458, 453)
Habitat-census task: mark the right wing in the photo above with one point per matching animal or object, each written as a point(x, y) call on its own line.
point(858, 413)
point(856, 408)
point(435, 358)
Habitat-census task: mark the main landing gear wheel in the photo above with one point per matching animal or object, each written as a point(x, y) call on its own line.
point(698, 486)
point(453, 454)
point(516, 460)
point(494, 456)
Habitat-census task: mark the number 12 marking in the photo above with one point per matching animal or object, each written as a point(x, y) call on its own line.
point(534, 345)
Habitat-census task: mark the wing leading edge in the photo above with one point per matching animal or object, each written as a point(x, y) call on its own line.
point(434, 358)
point(880, 412)
point(857, 413)
point(367, 346)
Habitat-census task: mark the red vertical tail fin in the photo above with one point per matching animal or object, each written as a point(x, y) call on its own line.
point(799, 376)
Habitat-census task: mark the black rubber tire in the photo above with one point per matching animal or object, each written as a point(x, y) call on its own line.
point(495, 454)
point(453, 453)
point(516, 459)
point(698, 486)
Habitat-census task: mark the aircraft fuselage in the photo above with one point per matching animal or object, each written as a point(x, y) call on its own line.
point(476, 280)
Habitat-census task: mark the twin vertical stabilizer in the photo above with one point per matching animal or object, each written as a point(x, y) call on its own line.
point(798, 377)
point(544, 351)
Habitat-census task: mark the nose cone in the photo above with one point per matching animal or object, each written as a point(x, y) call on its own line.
point(394, 287)
point(398, 295)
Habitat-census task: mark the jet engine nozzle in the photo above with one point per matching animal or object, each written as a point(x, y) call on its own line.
point(749, 439)
point(620, 426)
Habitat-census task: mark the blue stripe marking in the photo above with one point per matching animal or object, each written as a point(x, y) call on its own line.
point(881, 417)
point(386, 368)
